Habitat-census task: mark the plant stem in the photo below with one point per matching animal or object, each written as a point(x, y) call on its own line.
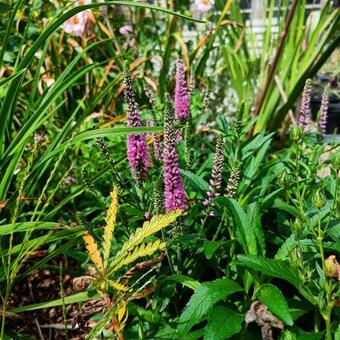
point(269, 78)
point(327, 313)
point(320, 242)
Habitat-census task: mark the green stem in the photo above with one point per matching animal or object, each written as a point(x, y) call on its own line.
point(327, 313)
point(220, 225)
point(328, 325)
point(320, 242)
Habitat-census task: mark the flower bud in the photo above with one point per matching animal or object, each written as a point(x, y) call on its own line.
point(319, 199)
point(295, 133)
point(298, 226)
point(285, 180)
point(332, 268)
point(335, 160)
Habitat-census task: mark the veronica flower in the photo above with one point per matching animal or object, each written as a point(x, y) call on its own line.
point(173, 187)
point(216, 173)
point(305, 110)
point(181, 93)
point(76, 25)
point(233, 183)
point(137, 149)
point(323, 112)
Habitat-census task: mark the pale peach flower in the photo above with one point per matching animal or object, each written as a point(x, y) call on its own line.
point(76, 25)
point(203, 6)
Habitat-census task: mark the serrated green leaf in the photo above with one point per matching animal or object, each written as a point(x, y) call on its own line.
point(202, 300)
point(271, 296)
point(287, 335)
point(222, 323)
point(286, 248)
point(275, 268)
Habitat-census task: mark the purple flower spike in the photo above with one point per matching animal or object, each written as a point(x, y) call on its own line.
point(173, 187)
point(305, 110)
point(137, 149)
point(182, 106)
point(323, 112)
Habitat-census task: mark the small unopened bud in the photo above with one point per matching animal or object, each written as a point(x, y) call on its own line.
point(319, 199)
point(285, 180)
point(298, 226)
point(295, 133)
point(335, 160)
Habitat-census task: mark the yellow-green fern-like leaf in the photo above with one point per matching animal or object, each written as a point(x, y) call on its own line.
point(93, 251)
point(117, 286)
point(156, 223)
point(143, 250)
point(110, 224)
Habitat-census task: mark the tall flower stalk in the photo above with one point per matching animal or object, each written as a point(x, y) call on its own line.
point(323, 112)
point(182, 107)
point(305, 110)
point(174, 193)
point(216, 173)
point(137, 149)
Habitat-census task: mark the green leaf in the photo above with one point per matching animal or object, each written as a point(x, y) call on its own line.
point(337, 333)
point(271, 296)
point(106, 132)
point(244, 230)
point(222, 323)
point(76, 298)
point(334, 232)
point(211, 246)
point(25, 226)
point(275, 268)
point(202, 300)
point(255, 143)
point(286, 247)
point(197, 182)
point(184, 280)
point(254, 211)
point(302, 335)
point(268, 200)
point(279, 204)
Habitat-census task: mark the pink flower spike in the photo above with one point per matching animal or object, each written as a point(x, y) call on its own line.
point(182, 105)
point(137, 149)
point(173, 187)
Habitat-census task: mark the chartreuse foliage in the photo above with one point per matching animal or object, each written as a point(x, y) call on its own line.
point(136, 247)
